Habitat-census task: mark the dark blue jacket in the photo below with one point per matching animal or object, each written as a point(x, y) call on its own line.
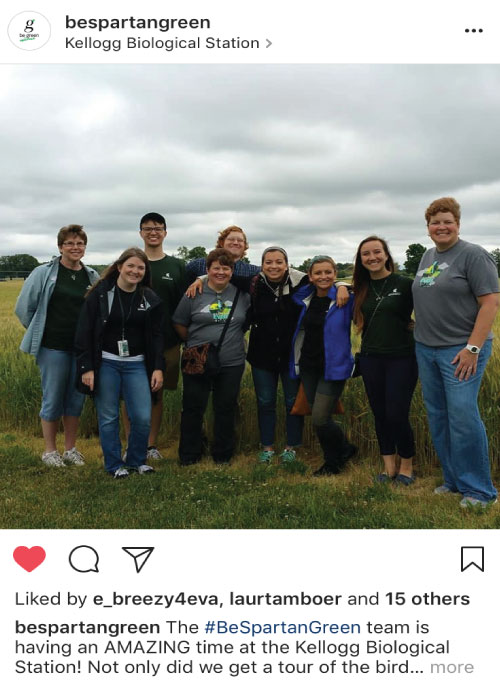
point(337, 335)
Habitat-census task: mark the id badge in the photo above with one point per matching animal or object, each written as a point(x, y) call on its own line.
point(123, 348)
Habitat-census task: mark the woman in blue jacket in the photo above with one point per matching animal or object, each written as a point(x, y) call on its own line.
point(321, 356)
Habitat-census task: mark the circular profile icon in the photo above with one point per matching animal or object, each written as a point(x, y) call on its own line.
point(29, 30)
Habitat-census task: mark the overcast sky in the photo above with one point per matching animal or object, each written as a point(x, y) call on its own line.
point(310, 157)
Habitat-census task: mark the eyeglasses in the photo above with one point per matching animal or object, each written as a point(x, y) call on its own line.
point(153, 230)
point(74, 244)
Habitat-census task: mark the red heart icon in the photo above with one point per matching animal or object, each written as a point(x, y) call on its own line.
point(29, 559)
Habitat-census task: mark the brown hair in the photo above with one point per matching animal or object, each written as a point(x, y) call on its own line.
point(221, 255)
point(231, 229)
point(111, 273)
point(319, 259)
point(71, 229)
point(361, 278)
point(443, 204)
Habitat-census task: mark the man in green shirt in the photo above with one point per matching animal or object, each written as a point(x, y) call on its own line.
point(169, 283)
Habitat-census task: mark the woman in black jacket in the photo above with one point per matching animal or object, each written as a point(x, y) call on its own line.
point(119, 345)
point(273, 317)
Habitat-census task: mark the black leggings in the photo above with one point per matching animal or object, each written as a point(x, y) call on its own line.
point(390, 383)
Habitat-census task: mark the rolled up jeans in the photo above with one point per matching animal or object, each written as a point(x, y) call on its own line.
point(59, 394)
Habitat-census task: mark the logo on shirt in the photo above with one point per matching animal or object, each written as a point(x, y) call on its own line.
point(394, 292)
point(219, 310)
point(429, 274)
point(166, 276)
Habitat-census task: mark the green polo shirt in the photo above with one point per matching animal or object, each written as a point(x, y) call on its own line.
point(170, 284)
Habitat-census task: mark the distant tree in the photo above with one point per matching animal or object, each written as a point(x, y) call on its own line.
point(304, 266)
point(496, 256)
point(18, 262)
point(186, 254)
point(414, 253)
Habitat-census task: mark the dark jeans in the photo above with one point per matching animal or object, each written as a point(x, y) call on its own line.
point(390, 383)
point(266, 390)
point(196, 391)
point(322, 395)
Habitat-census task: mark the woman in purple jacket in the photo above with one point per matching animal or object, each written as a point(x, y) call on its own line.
point(321, 356)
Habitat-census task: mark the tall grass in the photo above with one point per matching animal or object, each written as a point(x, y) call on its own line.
point(20, 401)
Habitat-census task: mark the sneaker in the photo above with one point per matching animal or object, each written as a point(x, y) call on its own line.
point(73, 456)
point(265, 457)
point(153, 453)
point(288, 456)
point(326, 469)
point(384, 478)
point(470, 501)
point(405, 480)
point(145, 470)
point(444, 489)
point(120, 473)
point(53, 458)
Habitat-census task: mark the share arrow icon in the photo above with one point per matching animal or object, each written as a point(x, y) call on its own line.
point(140, 554)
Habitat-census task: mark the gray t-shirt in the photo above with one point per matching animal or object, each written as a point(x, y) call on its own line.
point(205, 315)
point(445, 292)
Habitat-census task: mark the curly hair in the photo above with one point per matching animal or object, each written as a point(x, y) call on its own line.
point(231, 229)
point(221, 255)
point(443, 204)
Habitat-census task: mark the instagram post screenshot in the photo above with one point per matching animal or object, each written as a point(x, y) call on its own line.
point(249, 357)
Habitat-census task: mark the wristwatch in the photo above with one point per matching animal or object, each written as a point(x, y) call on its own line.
point(473, 349)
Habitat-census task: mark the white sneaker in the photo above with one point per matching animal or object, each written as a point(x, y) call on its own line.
point(73, 456)
point(145, 470)
point(53, 458)
point(120, 473)
point(471, 501)
point(153, 453)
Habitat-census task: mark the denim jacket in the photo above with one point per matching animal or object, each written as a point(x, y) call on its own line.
point(337, 335)
point(33, 301)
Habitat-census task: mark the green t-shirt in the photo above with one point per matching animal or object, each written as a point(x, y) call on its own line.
point(387, 334)
point(169, 283)
point(64, 308)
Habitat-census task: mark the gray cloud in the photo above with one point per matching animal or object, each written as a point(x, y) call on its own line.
point(314, 157)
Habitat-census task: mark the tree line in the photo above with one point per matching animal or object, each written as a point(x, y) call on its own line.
point(19, 265)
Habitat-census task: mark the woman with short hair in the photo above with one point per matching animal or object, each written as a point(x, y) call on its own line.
point(48, 307)
point(455, 293)
point(321, 357)
point(119, 343)
point(202, 320)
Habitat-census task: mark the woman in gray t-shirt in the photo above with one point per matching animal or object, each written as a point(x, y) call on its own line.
point(455, 299)
point(198, 321)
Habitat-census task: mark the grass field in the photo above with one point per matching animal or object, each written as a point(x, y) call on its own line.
point(243, 495)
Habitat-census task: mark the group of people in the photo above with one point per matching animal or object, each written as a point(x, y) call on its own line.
point(118, 336)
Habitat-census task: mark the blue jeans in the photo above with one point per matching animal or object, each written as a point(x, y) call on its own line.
point(59, 394)
point(456, 427)
point(266, 390)
point(130, 380)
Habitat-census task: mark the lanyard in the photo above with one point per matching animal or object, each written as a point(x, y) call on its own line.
point(124, 320)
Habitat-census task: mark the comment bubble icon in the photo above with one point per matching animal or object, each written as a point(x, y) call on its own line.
point(84, 559)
